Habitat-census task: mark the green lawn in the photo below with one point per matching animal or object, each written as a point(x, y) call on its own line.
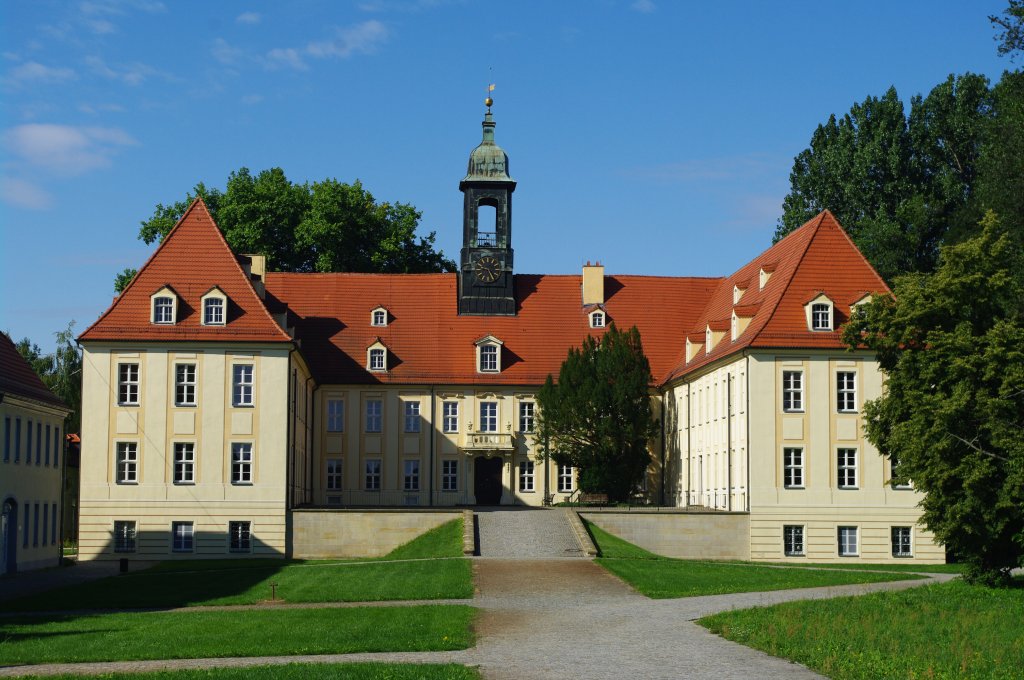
point(305, 671)
point(661, 577)
point(222, 582)
point(261, 632)
point(949, 630)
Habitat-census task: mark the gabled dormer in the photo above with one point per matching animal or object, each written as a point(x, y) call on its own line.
point(713, 334)
point(856, 306)
point(488, 354)
point(694, 344)
point(820, 312)
point(739, 289)
point(214, 305)
point(766, 273)
point(377, 357)
point(379, 316)
point(741, 316)
point(163, 306)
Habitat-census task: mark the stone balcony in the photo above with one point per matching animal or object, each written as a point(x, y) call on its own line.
point(488, 441)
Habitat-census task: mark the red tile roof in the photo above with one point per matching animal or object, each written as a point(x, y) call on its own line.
point(430, 343)
point(17, 376)
point(193, 259)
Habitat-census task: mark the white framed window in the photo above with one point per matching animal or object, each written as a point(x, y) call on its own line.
point(412, 417)
point(335, 415)
point(374, 415)
point(181, 536)
point(526, 413)
point(565, 478)
point(847, 539)
point(163, 309)
point(242, 381)
point(846, 391)
point(793, 391)
point(526, 469)
point(449, 475)
point(793, 467)
point(184, 384)
point(846, 468)
point(451, 416)
point(334, 474)
point(894, 463)
point(371, 479)
point(411, 475)
point(377, 359)
point(184, 463)
point(489, 358)
point(597, 319)
point(821, 316)
point(124, 536)
point(488, 416)
point(241, 463)
point(127, 385)
point(127, 462)
point(793, 540)
point(901, 542)
point(239, 537)
point(213, 311)
point(379, 317)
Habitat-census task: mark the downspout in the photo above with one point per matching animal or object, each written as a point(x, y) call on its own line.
point(292, 398)
point(748, 432)
point(547, 468)
point(728, 442)
point(310, 415)
point(433, 436)
point(662, 501)
point(689, 476)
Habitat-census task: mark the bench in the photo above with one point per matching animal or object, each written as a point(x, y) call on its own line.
point(593, 499)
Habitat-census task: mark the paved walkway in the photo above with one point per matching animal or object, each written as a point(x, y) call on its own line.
point(31, 582)
point(563, 618)
point(525, 532)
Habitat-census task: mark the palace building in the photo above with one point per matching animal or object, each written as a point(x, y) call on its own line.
point(220, 398)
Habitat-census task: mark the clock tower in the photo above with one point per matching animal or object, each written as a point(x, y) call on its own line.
point(485, 266)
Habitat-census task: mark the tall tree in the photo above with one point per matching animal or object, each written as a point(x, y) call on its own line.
point(1011, 39)
point(598, 416)
point(952, 346)
point(61, 371)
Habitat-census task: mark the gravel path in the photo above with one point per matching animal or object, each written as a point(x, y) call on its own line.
point(525, 532)
point(566, 618)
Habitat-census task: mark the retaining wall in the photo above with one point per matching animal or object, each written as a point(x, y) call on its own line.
point(688, 535)
point(329, 534)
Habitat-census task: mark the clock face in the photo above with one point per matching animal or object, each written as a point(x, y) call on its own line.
point(487, 269)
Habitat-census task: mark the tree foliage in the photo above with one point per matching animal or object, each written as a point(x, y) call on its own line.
point(61, 371)
point(1011, 39)
point(952, 346)
point(326, 226)
point(598, 417)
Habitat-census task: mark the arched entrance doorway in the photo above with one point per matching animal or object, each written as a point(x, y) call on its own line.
point(487, 480)
point(9, 538)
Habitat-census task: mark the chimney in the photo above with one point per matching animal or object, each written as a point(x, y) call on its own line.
point(593, 284)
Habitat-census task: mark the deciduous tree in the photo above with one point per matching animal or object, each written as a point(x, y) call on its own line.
point(61, 371)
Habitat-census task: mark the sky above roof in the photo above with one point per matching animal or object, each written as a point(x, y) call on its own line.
point(654, 136)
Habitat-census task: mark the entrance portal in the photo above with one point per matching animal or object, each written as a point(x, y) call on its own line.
point(9, 538)
point(487, 481)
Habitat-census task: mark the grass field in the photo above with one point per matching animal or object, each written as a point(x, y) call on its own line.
point(307, 671)
point(223, 582)
point(260, 632)
point(948, 630)
point(661, 577)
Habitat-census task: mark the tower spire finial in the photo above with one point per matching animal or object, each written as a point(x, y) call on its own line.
point(488, 102)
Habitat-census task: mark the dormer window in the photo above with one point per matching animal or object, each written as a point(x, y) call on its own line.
point(597, 319)
point(737, 292)
point(215, 305)
point(488, 355)
point(164, 306)
point(379, 317)
point(377, 357)
point(820, 313)
point(765, 274)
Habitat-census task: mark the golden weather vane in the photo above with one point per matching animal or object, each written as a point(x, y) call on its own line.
point(489, 102)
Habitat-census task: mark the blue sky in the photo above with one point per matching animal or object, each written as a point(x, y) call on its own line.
point(654, 136)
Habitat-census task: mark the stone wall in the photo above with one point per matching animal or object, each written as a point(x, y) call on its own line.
point(688, 535)
point(330, 534)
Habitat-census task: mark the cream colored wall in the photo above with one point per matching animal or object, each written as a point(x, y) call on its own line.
point(31, 481)
point(156, 424)
point(393, 445)
point(686, 535)
point(330, 534)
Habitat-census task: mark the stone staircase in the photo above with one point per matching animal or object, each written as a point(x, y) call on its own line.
point(530, 533)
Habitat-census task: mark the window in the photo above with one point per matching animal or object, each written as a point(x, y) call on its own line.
point(240, 537)
point(127, 462)
point(488, 416)
point(597, 319)
point(821, 316)
point(46, 520)
point(526, 409)
point(46, 461)
point(241, 463)
point(334, 468)
point(412, 416)
point(526, 475)
point(449, 475)
point(411, 477)
point(793, 540)
point(243, 383)
point(17, 439)
point(53, 526)
point(379, 318)
point(185, 385)
point(128, 384)
point(56, 447)
point(335, 415)
point(894, 463)
point(901, 542)
point(565, 478)
point(124, 537)
point(184, 463)
point(793, 468)
point(213, 311)
point(846, 468)
point(39, 443)
point(373, 415)
point(181, 536)
point(451, 416)
point(847, 541)
point(372, 479)
point(7, 439)
point(489, 358)
point(163, 310)
point(793, 391)
point(35, 528)
point(846, 391)
point(377, 359)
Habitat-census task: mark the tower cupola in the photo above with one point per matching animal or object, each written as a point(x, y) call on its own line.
point(488, 161)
